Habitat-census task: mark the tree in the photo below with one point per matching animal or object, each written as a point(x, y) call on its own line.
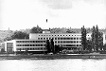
point(36, 30)
point(100, 40)
point(20, 35)
point(89, 45)
point(48, 46)
point(58, 30)
point(104, 47)
point(97, 39)
point(52, 46)
point(83, 38)
point(2, 50)
point(93, 38)
point(69, 31)
point(8, 38)
point(57, 49)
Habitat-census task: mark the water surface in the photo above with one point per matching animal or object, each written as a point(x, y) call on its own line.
point(53, 65)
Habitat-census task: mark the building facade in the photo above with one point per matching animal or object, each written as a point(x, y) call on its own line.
point(23, 45)
point(37, 42)
point(66, 40)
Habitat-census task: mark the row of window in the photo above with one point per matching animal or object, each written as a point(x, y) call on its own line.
point(9, 44)
point(30, 41)
point(72, 45)
point(60, 35)
point(31, 48)
point(30, 45)
point(69, 38)
point(60, 38)
point(68, 41)
point(45, 48)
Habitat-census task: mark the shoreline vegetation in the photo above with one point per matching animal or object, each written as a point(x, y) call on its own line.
point(52, 57)
point(92, 48)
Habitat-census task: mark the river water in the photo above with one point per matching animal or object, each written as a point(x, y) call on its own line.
point(53, 65)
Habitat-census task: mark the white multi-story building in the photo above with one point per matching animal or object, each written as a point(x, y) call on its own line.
point(25, 45)
point(65, 40)
point(37, 42)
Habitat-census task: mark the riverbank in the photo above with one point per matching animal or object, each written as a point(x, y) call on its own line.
point(49, 57)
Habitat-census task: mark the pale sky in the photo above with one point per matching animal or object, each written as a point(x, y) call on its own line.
point(22, 14)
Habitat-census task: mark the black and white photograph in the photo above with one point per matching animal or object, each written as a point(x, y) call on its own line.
point(52, 35)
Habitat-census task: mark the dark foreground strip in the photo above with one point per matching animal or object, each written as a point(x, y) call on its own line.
point(47, 57)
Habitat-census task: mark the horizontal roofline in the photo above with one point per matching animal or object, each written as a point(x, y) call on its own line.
point(57, 33)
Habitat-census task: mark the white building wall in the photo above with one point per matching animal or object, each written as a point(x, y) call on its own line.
point(33, 36)
point(14, 45)
point(104, 38)
point(5, 45)
point(57, 37)
point(61, 38)
point(6, 42)
point(30, 44)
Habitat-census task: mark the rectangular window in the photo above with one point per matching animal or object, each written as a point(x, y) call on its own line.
point(55, 38)
point(55, 41)
point(71, 38)
point(74, 38)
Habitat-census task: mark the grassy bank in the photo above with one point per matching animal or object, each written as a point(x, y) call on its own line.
point(51, 57)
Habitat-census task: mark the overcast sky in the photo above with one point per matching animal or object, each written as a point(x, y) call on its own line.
point(22, 14)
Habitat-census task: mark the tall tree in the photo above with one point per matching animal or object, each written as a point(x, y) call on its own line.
point(20, 35)
point(89, 45)
point(36, 30)
point(104, 47)
point(69, 31)
point(100, 40)
point(97, 39)
point(57, 48)
point(83, 38)
point(52, 45)
point(93, 38)
point(48, 46)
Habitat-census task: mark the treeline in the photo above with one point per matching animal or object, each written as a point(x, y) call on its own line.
point(51, 48)
point(23, 34)
point(5, 34)
point(96, 41)
point(93, 44)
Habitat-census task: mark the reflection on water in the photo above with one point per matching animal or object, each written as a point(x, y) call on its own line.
point(53, 65)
